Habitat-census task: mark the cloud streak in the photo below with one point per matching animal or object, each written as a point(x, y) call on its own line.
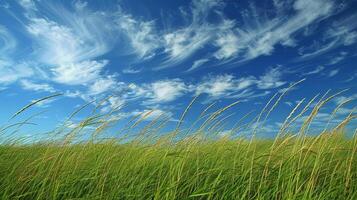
point(7, 42)
point(260, 35)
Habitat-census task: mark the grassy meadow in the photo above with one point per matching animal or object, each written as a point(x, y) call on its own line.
point(184, 163)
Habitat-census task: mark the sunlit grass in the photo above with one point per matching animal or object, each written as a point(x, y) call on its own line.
point(186, 163)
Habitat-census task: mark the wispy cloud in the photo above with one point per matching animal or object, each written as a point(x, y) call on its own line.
point(340, 99)
point(10, 74)
point(228, 86)
point(33, 86)
point(71, 44)
point(340, 57)
point(317, 70)
point(78, 73)
point(259, 35)
point(196, 64)
point(28, 4)
point(315, 49)
point(344, 30)
point(10, 71)
point(223, 85)
point(227, 44)
point(142, 35)
point(271, 79)
point(153, 114)
point(104, 84)
point(131, 70)
point(163, 91)
point(333, 73)
point(182, 43)
point(7, 41)
point(113, 103)
point(341, 33)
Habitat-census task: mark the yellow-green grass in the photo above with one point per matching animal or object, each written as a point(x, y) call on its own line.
point(318, 168)
point(183, 164)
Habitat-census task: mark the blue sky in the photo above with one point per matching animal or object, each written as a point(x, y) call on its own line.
point(158, 55)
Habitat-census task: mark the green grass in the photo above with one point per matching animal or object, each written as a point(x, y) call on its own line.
point(317, 168)
point(198, 166)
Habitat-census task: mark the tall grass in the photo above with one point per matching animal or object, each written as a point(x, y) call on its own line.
point(191, 163)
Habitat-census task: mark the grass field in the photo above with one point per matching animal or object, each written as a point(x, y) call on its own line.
point(291, 166)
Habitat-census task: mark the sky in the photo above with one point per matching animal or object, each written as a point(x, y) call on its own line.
point(157, 55)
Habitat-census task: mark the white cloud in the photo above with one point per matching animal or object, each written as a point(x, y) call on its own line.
point(154, 114)
point(10, 74)
point(71, 44)
point(333, 73)
point(72, 94)
point(351, 77)
point(197, 64)
point(222, 86)
point(315, 71)
point(201, 8)
point(143, 115)
point(61, 44)
point(9, 70)
point(104, 85)
point(7, 42)
point(341, 33)
point(116, 102)
point(340, 99)
point(344, 31)
point(338, 58)
point(259, 35)
point(350, 38)
point(290, 104)
point(142, 35)
point(164, 90)
point(316, 49)
point(29, 85)
point(146, 41)
point(113, 103)
point(131, 70)
point(228, 86)
point(158, 92)
point(78, 73)
point(58, 43)
point(271, 79)
point(28, 4)
point(216, 87)
point(136, 91)
point(181, 44)
point(227, 44)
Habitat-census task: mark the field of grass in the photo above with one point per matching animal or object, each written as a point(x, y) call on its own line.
point(314, 168)
point(291, 166)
